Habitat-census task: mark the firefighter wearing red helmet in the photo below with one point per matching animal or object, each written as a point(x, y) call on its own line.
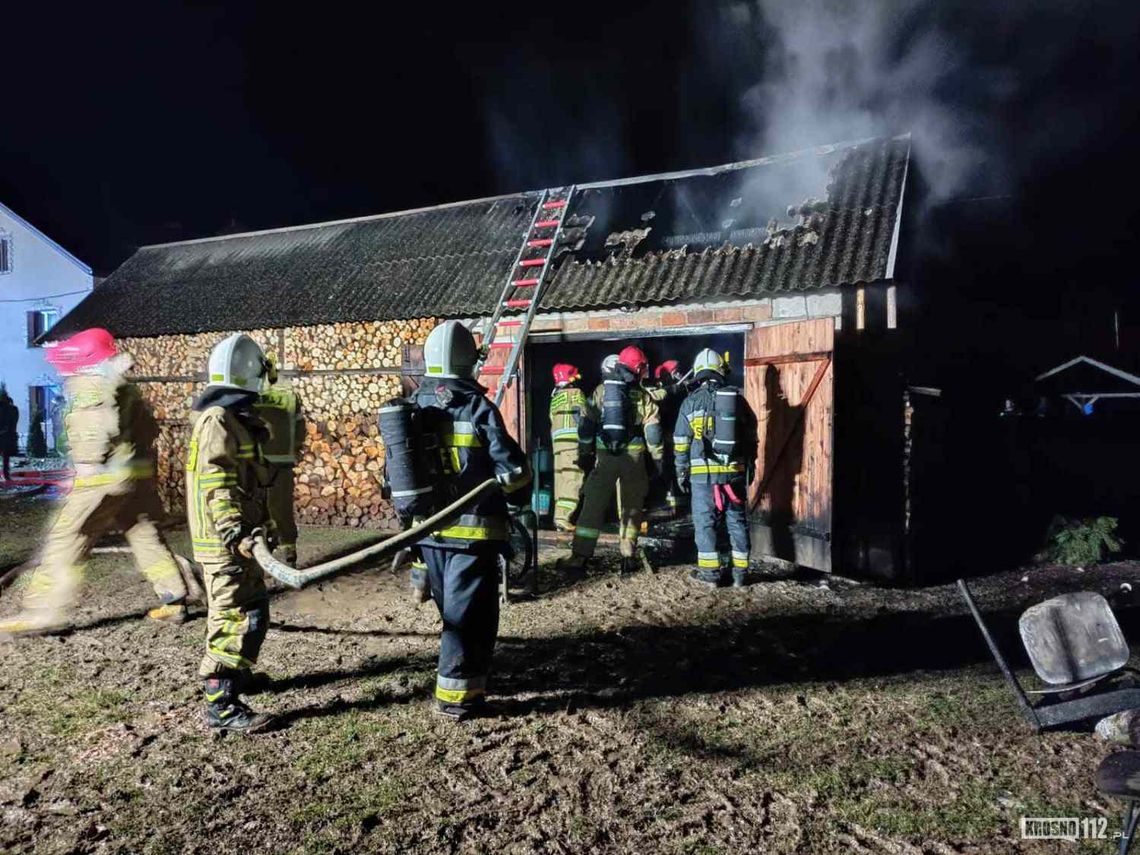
point(624, 423)
point(567, 404)
point(111, 433)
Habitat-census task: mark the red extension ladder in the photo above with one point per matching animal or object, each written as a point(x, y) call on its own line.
point(518, 304)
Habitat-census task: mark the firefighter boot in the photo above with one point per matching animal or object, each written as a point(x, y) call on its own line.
point(460, 712)
point(573, 567)
point(713, 578)
point(174, 612)
point(739, 578)
point(226, 711)
point(32, 622)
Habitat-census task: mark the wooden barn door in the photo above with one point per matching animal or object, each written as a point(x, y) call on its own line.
point(788, 382)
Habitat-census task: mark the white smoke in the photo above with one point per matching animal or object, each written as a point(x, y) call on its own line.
point(838, 71)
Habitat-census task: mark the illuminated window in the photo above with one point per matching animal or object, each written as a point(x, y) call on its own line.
point(39, 322)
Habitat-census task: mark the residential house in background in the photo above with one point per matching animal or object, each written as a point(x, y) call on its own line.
point(40, 282)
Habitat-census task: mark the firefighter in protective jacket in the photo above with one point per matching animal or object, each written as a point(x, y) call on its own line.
point(621, 425)
point(112, 434)
point(462, 559)
point(714, 443)
point(226, 508)
point(279, 407)
point(567, 404)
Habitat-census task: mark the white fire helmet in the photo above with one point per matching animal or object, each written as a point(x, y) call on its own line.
point(236, 362)
point(450, 351)
point(610, 364)
point(709, 360)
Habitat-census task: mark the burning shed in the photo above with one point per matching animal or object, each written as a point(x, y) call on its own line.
point(789, 263)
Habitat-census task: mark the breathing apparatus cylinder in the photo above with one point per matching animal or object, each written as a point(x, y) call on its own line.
point(724, 415)
point(615, 415)
point(411, 460)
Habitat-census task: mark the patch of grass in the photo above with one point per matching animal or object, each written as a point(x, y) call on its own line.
point(352, 808)
point(343, 742)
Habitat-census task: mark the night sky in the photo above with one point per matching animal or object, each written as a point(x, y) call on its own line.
point(124, 126)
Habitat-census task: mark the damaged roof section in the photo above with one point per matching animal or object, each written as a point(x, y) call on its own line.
point(824, 217)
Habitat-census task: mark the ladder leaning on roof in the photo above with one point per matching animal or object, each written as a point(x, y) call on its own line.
point(518, 304)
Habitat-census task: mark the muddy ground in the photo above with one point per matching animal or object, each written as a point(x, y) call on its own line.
point(637, 715)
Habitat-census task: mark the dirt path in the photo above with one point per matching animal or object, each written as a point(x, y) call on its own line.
point(637, 715)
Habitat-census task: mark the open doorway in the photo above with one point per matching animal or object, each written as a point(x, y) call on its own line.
point(587, 353)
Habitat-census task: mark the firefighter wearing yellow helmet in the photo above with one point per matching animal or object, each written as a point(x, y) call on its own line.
point(714, 443)
point(226, 508)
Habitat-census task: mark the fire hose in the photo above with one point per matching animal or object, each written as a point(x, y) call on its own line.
point(298, 579)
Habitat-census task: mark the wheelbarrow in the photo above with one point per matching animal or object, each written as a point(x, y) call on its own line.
point(1079, 654)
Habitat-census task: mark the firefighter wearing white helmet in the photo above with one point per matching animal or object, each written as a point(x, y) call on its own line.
point(462, 558)
point(450, 352)
point(714, 443)
point(225, 508)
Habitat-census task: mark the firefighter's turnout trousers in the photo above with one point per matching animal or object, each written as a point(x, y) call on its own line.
point(711, 502)
point(112, 435)
point(568, 479)
point(225, 499)
point(465, 587)
point(622, 471)
point(126, 501)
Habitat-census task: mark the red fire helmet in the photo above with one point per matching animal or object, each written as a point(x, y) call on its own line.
point(633, 358)
point(565, 373)
point(666, 369)
point(82, 350)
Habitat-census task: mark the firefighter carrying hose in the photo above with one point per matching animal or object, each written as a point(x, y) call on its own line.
point(713, 444)
point(112, 434)
point(462, 558)
point(623, 421)
point(567, 404)
point(279, 407)
point(226, 509)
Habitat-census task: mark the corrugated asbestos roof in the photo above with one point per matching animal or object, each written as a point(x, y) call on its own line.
point(684, 237)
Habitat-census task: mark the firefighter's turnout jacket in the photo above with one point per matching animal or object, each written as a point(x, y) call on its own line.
point(225, 476)
point(474, 446)
point(693, 454)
